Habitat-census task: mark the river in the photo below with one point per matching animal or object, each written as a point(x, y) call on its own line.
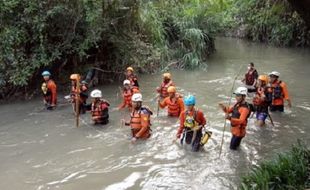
point(44, 150)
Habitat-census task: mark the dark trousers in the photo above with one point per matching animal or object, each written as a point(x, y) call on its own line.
point(279, 108)
point(188, 135)
point(235, 142)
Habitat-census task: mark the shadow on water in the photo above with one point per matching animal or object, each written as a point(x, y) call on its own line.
point(44, 150)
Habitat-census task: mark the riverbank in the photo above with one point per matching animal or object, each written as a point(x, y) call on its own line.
point(289, 170)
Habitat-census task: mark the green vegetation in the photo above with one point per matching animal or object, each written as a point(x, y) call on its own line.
point(69, 35)
point(287, 171)
point(73, 35)
point(269, 21)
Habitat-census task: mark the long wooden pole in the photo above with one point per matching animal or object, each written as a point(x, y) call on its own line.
point(77, 103)
point(271, 120)
point(231, 93)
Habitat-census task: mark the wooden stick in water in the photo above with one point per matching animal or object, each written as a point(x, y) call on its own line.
point(231, 93)
point(77, 103)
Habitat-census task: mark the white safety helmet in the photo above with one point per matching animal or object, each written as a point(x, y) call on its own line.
point(241, 90)
point(136, 97)
point(96, 93)
point(126, 82)
point(275, 73)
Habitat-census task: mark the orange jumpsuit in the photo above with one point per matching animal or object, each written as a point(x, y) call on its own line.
point(175, 105)
point(51, 95)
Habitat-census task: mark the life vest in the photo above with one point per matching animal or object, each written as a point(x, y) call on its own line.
point(261, 105)
point(173, 107)
point(82, 91)
point(164, 87)
point(250, 77)
point(257, 100)
point(100, 111)
point(192, 133)
point(127, 94)
point(190, 121)
point(135, 121)
point(133, 80)
point(239, 130)
point(277, 92)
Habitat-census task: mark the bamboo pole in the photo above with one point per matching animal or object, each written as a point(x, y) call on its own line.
point(231, 93)
point(77, 103)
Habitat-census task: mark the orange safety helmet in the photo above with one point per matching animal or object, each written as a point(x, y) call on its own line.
point(171, 89)
point(167, 75)
point(75, 77)
point(129, 69)
point(263, 78)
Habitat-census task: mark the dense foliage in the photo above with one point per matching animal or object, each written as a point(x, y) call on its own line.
point(66, 35)
point(270, 21)
point(286, 171)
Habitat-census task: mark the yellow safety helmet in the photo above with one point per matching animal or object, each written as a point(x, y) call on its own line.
point(129, 69)
point(263, 78)
point(167, 75)
point(75, 77)
point(171, 89)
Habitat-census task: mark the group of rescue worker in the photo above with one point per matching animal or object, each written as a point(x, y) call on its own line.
point(269, 95)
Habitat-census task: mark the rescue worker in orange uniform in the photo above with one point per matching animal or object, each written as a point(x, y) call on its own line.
point(238, 115)
point(83, 92)
point(140, 121)
point(279, 92)
point(132, 77)
point(262, 100)
point(128, 91)
point(99, 108)
point(49, 90)
point(250, 78)
point(174, 102)
point(192, 121)
point(162, 89)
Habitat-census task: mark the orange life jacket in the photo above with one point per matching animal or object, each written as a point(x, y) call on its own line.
point(127, 94)
point(136, 122)
point(260, 103)
point(257, 100)
point(277, 92)
point(239, 130)
point(99, 111)
point(173, 107)
point(82, 91)
point(164, 87)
